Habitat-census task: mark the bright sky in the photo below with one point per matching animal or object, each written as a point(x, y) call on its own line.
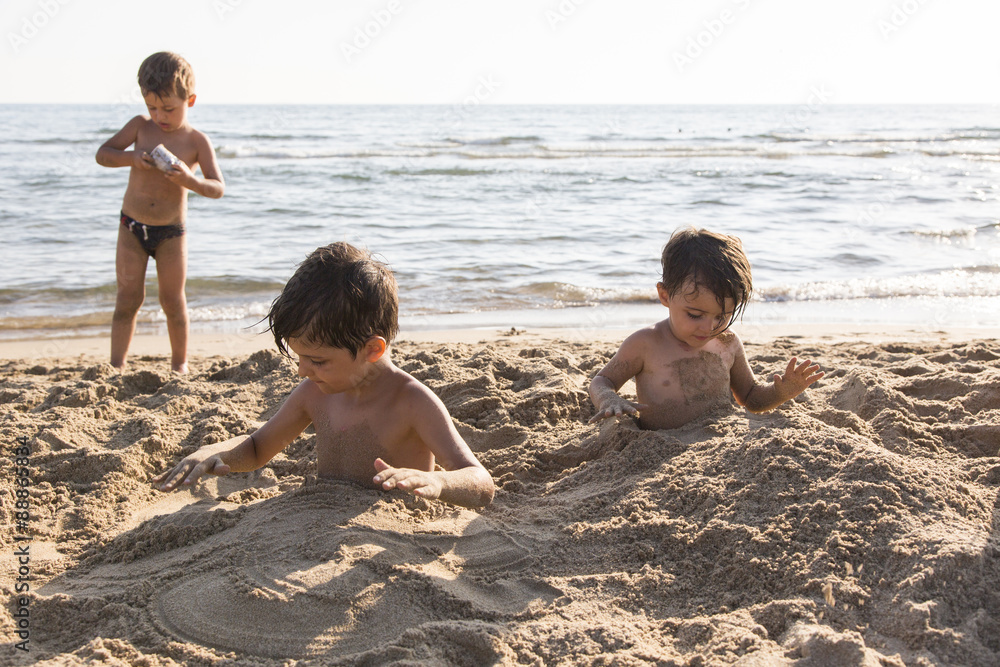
point(509, 51)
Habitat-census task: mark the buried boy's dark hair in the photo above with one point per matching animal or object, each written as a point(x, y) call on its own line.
point(708, 261)
point(340, 296)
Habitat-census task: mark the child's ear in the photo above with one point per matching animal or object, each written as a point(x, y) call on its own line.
point(191, 100)
point(374, 348)
point(663, 294)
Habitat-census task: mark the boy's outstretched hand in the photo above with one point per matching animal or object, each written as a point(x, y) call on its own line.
point(796, 378)
point(189, 470)
point(616, 406)
point(418, 482)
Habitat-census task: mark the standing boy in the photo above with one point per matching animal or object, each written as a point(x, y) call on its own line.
point(339, 313)
point(154, 210)
point(690, 362)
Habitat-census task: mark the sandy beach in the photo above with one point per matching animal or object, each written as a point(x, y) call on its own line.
point(856, 525)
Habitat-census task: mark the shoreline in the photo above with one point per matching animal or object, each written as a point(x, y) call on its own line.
point(898, 319)
point(201, 345)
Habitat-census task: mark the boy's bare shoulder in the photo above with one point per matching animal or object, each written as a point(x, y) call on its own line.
point(730, 340)
point(633, 353)
point(412, 389)
point(198, 135)
point(305, 394)
point(641, 342)
point(135, 125)
point(645, 336)
point(196, 139)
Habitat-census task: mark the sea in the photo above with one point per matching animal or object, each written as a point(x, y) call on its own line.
point(506, 217)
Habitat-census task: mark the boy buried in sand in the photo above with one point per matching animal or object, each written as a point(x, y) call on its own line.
point(688, 363)
point(338, 313)
point(155, 206)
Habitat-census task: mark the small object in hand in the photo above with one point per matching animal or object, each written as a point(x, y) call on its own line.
point(164, 159)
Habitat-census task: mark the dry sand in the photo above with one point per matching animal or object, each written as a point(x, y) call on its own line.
point(857, 525)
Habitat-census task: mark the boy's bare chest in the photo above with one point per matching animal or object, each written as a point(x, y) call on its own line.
point(348, 452)
point(347, 445)
point(681, 390)
point(688, 380)
point(179, 143)
point(701, 378)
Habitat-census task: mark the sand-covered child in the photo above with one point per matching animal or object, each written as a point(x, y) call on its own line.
point(375, 424)
point(691, 362)
point(154, 210)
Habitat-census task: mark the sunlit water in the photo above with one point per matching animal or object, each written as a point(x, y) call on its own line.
point(510, 215)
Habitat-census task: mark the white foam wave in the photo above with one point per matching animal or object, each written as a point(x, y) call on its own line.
point(494, 150)
point(979, 281)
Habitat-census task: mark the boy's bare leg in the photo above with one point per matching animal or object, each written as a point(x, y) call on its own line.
point(130, 271)
point(171, 273)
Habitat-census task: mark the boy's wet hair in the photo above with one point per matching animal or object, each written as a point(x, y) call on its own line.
point(166, 74)
point(340, 296)
point(711, 261)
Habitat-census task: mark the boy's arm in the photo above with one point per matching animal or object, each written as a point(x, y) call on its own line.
point(757, 397)
point(625, 365)
point(464, 481)
point(113, 153)
point(243, 453)
point(210, 184)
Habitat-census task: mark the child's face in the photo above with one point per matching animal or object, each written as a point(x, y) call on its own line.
point(168, 112)
point(695, 314)
point(333, 369)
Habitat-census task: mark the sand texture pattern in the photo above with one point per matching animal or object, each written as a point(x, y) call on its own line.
point(856, 525)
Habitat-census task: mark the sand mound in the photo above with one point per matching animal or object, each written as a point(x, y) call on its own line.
point(858, 525)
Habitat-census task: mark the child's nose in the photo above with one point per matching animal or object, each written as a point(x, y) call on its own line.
point(302, 370)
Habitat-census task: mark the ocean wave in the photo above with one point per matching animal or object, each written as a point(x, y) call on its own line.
point(879, 138)
point(507, 149)
point(259, 152)
point(502, 140)
point(983, 157)
point(53, 321)
point(93, 296)
point(977, 281)
point(56, 295)
point(963, 233)
point(219, 311)
point(231, 285)
point(254, 310)
point(433, 144)
point(281, 137)
point(565, 294)
point(57, 141)
point(618, 136)
point(980, 281)
point(453, 171)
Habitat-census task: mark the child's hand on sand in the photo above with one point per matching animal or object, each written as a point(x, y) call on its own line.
point(796, 378)
point(418, 482)
point(189, 470)
point(616, 406)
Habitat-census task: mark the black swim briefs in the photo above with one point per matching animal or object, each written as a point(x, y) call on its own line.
point(150, 236)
